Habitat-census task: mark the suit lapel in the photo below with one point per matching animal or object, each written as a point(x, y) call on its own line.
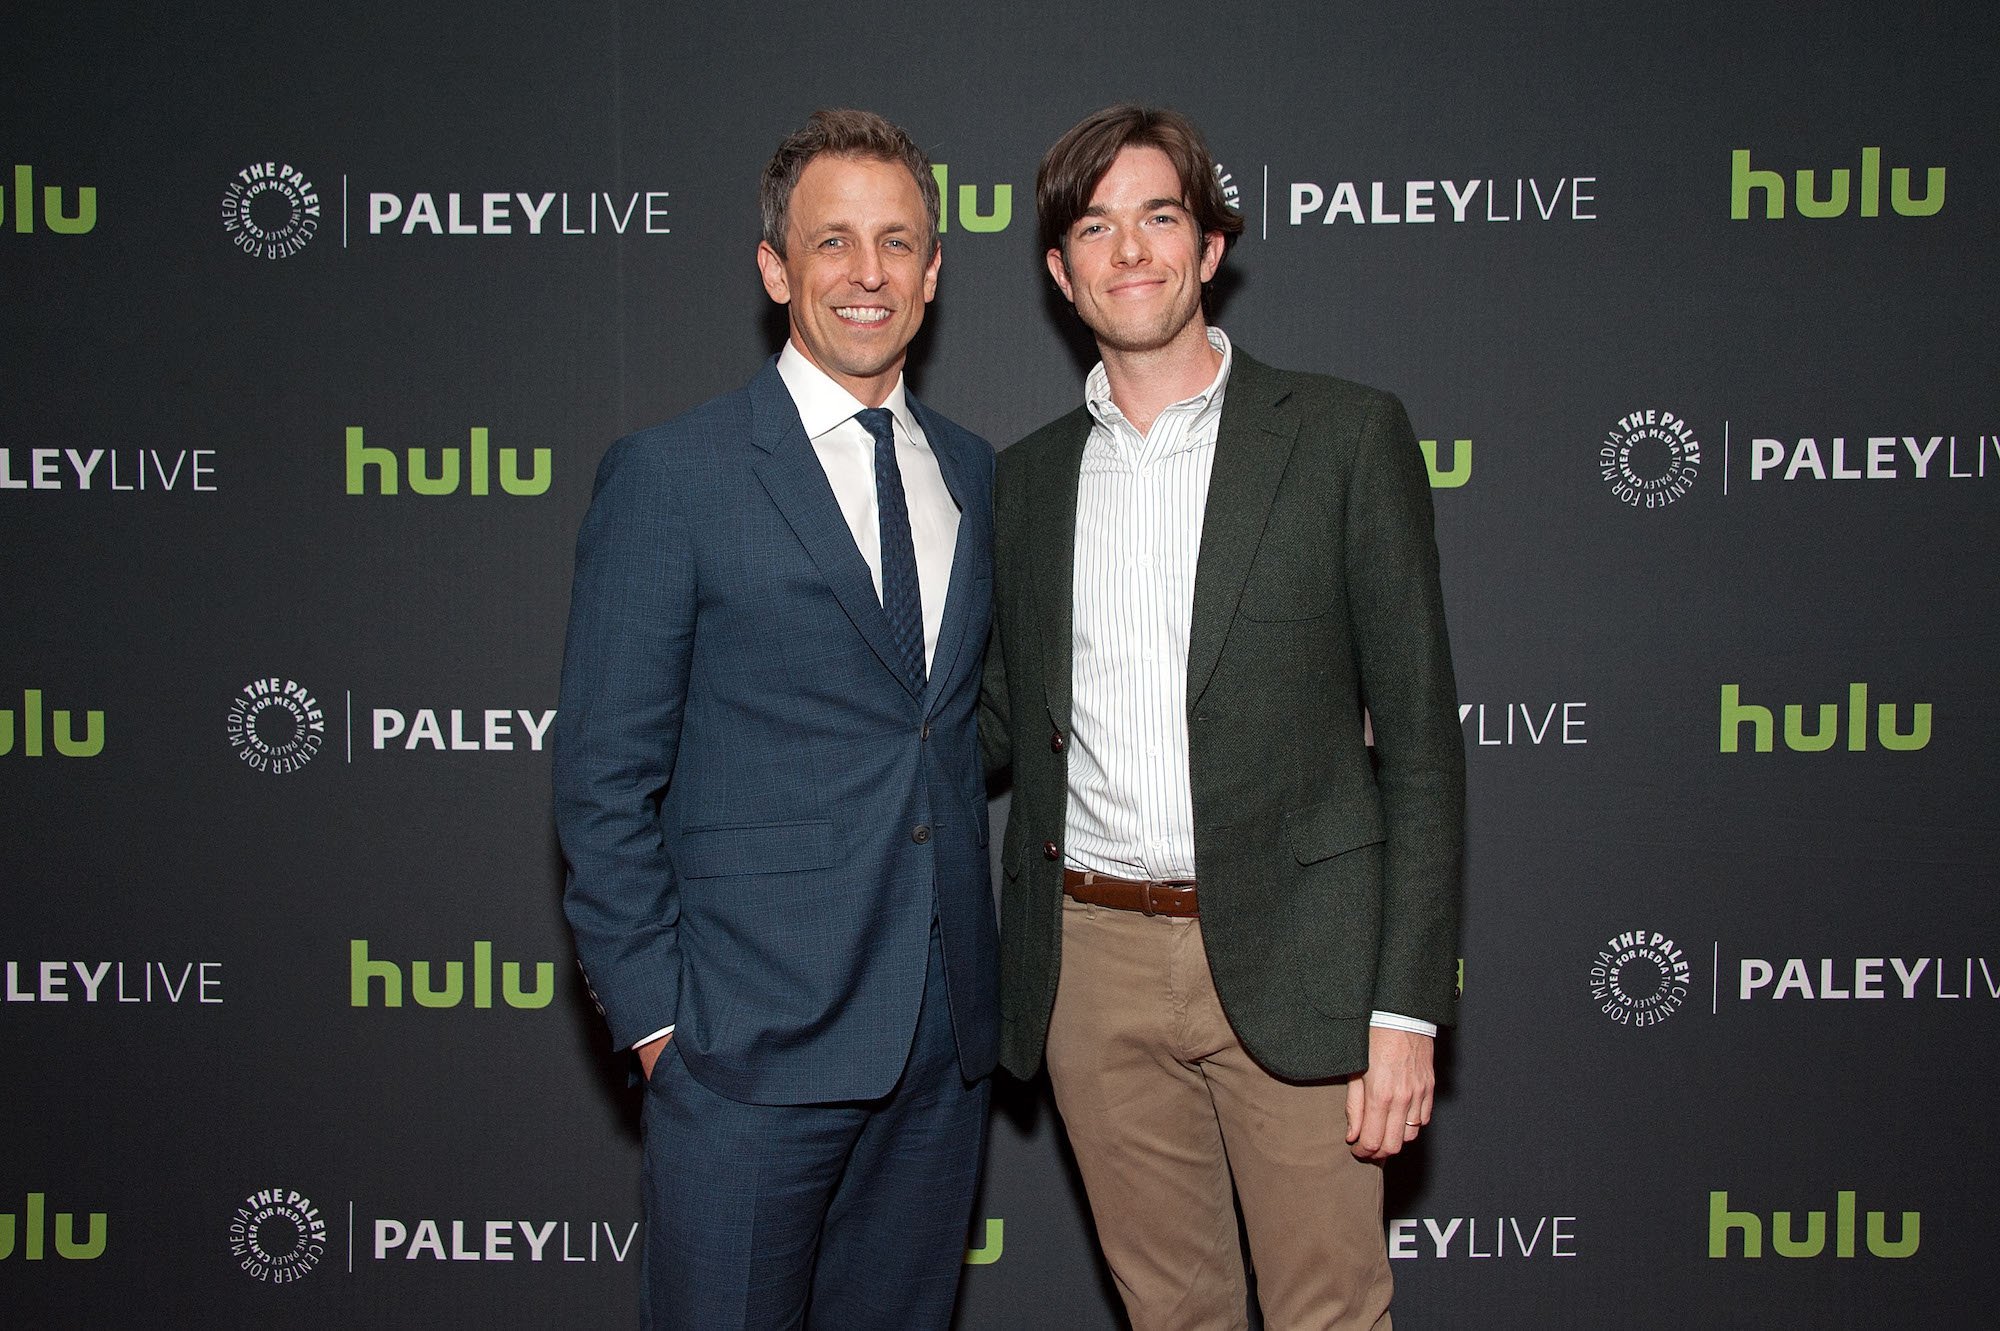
point(1252, 447)
point(792, 475)
point(1052, 490)
point(975, 526)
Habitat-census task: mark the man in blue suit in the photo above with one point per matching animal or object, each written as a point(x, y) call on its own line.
point(769, 789)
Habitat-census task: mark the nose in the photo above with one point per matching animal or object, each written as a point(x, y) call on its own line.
point(868, 271)
point(1131, 246)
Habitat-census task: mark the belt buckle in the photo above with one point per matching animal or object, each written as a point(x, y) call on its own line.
point(1168, 884)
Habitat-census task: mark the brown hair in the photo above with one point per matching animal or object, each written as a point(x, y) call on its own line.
point(1070, 172)
point(841, 133)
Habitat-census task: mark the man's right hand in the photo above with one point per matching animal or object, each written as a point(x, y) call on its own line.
point(649, 1053)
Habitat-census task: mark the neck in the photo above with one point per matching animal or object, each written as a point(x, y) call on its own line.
point(1145, 383)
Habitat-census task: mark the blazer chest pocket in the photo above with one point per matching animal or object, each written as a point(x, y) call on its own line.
point(1289, 584)
point(757, 848)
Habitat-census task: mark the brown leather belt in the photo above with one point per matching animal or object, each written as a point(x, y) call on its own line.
point(1096, 889)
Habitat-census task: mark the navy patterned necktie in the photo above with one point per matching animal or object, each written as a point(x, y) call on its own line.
point(902, 599)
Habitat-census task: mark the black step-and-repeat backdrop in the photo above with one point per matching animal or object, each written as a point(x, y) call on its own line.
point(318, 320)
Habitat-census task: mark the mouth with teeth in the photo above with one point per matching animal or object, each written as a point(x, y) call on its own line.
point(861, 314)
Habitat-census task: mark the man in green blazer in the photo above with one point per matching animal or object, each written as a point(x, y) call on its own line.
point(1232, 930)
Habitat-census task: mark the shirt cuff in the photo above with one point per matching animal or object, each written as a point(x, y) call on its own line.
point(1396, 1022)
point(669, 1030)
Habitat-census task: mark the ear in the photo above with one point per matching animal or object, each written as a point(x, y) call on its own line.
point(1059, 270)
point(931, 272)
point(1211, 255)
point(776, 285)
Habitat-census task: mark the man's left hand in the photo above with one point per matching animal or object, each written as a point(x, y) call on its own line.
point(1387, 1104)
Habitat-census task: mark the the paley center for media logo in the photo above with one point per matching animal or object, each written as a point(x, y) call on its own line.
point(273, 209)
point(277, 1235)
point(1640, 977)
point(270, 210)
point(275, 725)
point(1650, 458)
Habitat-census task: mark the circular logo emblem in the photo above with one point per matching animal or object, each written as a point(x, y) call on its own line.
point(275, 725)
point(270, 210)
point(1649, 458)
point(1640, 978)
point(277, 1236)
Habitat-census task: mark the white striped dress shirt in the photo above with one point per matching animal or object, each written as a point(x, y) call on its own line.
point(1139, 506)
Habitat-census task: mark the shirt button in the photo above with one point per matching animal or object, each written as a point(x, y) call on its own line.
point(925, 731)
point(1050, 851)
point(920, 833)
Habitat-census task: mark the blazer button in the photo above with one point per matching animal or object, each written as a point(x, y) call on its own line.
point(1056, 742)
point(1051, 851)
point(920, 833)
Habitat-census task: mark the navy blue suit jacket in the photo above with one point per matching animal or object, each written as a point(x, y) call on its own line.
point(757, 812)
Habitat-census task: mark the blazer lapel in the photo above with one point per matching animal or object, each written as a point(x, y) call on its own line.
point(1052, 489)
point(792, 475)
point(1252, 447)
point(975, 534)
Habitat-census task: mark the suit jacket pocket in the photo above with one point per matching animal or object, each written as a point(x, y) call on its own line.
point(759, 848)
point(1335, 826)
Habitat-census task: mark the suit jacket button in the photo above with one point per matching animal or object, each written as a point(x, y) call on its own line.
point(1056, 742)
point(920, 833)
point(1051, 851)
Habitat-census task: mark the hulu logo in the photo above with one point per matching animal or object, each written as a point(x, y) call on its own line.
point(988, 1251)
point(31, 1232)
point(27, 725)
point(969, 216)
point(53, 215)
point(1812, 1242)
point(1460, 470)
point(1827, 731)
point(1744, 179)
point(364, 972)
point(362, 457)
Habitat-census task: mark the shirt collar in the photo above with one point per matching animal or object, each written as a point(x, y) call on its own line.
point(824, 404)
point(1208, 402)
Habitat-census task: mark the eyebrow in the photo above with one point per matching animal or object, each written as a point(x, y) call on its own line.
point(840, 226)
point(1150, 205)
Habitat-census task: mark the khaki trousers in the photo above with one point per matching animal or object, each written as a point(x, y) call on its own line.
point(1164, 1108)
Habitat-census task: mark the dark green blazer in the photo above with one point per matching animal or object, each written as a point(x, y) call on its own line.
point(1329, 883)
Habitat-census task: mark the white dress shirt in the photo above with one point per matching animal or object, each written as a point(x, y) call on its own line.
point(1139, 507)
point(847, 453)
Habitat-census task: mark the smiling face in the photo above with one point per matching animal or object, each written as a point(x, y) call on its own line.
point(1132, 263)
point(854, 273)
